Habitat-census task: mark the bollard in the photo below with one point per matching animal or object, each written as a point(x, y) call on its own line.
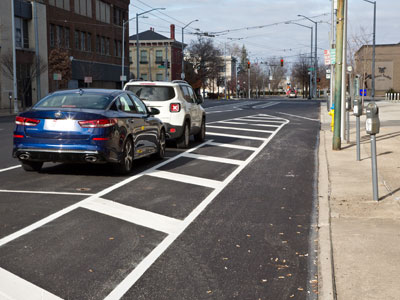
point(332, 114)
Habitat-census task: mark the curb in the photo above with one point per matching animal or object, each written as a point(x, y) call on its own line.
point(326, 276)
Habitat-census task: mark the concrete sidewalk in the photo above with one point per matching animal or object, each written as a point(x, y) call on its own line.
point(359, 238)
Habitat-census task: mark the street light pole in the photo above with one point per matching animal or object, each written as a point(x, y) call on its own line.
point(183, 57)
point(373, 50)
point(137, 38)
point(14, 59)
point(315, 53)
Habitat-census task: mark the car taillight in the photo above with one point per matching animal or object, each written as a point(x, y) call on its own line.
point(26, 121)
point(175, 107)
point(98, 123)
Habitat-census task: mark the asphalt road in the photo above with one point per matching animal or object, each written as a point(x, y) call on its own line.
point(232, 218)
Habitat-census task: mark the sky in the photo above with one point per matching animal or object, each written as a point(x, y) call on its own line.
point(260, 24)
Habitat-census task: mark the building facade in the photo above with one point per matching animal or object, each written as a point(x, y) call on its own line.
point(160, 57)
point(31, 53)
point(387, 68)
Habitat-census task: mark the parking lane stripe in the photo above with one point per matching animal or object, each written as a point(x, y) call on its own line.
point(134, 215)
point(301, 117)
point(246, 123)
point(236, 136)
point(241, 129)
point(46, 192)
point(186, 178)
point(14, 287)
point(215, 159)
point(261, 120)
point(227, 145)
point(10, 168)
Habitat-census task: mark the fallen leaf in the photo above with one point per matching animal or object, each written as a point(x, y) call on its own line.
point(300, 289)
point(90, 270)
point(209, 292)
point(281, 277)
point(281, 233)
point(224, 258)
point(299, 226)
point(110, 238)
point(264, 280)
point(291, 296)
point(289, 275)
point(284, 242)
point(248, 235)
point(237, 246)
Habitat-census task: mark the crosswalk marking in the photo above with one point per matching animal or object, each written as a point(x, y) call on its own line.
point(233, 146)
point(215, 159)
point(236, 136)
point(241, 129)
point(186, 178)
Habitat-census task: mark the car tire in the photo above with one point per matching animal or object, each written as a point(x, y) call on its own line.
point(125, 165)
point(183, 141)
point(201, 135)
point(161, 145)
point(32, 166)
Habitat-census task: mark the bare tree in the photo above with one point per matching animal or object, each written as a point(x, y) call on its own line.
point(300, 73)
point(26, 73)
point(60, 63)
point(277, 72)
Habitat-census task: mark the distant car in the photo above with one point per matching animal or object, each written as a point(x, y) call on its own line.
point(292, 94)
point(88, 125)
point(180, 108)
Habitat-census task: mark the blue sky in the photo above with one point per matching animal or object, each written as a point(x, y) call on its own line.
point(280, 40)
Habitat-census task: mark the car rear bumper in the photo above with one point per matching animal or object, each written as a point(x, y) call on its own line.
point(173, 131)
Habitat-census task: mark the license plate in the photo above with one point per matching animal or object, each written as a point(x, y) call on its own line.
point(60, 125)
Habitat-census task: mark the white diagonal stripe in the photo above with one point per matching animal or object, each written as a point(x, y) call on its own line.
point(10, 168)
point(242, 129)
point(262, 121)
point(215, 159)
point(186, 179)
point(233, 146)
point(133, 215)
point(245, 137)
point(46, 192)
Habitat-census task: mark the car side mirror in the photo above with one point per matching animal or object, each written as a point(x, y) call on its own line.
point(200, 99)
point(154, 111)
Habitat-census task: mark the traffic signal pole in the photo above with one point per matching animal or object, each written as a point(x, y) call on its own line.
point(336, 142)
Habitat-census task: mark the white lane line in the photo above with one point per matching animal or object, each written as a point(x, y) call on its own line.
point(266, 105)
point(240, 147)
point(46, 192)
point(221, 111)
point(186, 179)
point(226, 122)
point(10, 168)
point(241, 129)
point(215, 159)
point(14, 287)
point(262, 121)
point(146, 263)
point(236, 136)
point(134, 215)
point(301, 117)
point(262, 125)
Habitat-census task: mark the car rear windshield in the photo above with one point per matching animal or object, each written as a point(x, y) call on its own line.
point(75, 100)
point(152, 93)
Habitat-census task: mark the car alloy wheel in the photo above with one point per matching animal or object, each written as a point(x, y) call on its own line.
point(161, 145)
point(201, 136)
point(183, 141)
point(126, 163)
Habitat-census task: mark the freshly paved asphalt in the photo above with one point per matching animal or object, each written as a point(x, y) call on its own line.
point(254, 240)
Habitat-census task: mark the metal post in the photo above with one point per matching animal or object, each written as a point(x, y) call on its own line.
point(315, 60)
point(358, 137)
point(38, 92)
point(336, 142)
point(249, 83)
point(16, 110)
point(344, 72)
point(166, 62)
point(374, 168)
point(332, 45)
point(123, 54)
point(311, 88)
point(348, 127)
point(183, 59)
point(226, 90)
point(373, 55)
point(137, 47)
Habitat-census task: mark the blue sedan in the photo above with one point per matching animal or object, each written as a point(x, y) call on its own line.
point(90, 126)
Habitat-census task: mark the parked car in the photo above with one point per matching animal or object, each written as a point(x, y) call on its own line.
point(292, 93)
point(88, 125)
point(180, 108)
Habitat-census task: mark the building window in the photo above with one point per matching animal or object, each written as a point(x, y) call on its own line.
point(89, 42)
point(117, 48)
point(143, 76)
point(64, 4)
point(103, 11)
point(83, 41)
point(51, 35)
point(58, 36)
point(66, 38)
point(159, 56)
point(83, 7)
point(118, 16)
point(21, 33)
point(76, 38)
point(159, 77)
point(143, 56)
point(107, 46)
point(102, 46)
point(97, 44)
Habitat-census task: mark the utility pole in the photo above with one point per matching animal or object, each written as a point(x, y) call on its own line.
point(336, 143)
point(332, 45)
point(38, 95)
point(344, 75)
point(248, 69)
point(14, 59)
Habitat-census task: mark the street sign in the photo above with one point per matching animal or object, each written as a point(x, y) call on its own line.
point(57, 76)
point(363, 92)
point(328, 75)
point(270, 77)
point(88, 79)
point(311, 69)
point(333, 56)
point(327, 57)
point(122, 78)
point(349, 69)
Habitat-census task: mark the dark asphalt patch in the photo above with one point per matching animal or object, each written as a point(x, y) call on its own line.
point(81, 255)
point(223, 152)
point(19, 210)
point(244, 133)
point(162, 196)
point(234, 141)
point(200, 168)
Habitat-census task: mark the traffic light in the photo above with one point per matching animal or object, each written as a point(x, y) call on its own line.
point(248, 65)
point(281, 62)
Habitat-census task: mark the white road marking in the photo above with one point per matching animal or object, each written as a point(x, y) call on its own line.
point(233, 146)
point(221, 111)
point(266, 105)
point(46, 192)
point(215, 159)
point(10, 168)
point(247, 123)
point(237, 136)
point(278, 121)
point(145, 264)
point(226, 122)
point(301, 117)
point(241, 129)
point(186, 179)
point(134, 215)
point(14, 287)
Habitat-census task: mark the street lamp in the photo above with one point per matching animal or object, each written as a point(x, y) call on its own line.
point(310, 27)
point(137, 37)
point(373, 50)
point(315, 54)
point(183, 57)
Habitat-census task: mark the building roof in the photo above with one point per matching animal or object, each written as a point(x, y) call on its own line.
point(149, 35)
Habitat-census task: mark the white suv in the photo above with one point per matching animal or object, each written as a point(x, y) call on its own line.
point(179, 107)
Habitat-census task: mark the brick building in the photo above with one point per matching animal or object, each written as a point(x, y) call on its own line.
point(153, 49)
point(387, 67)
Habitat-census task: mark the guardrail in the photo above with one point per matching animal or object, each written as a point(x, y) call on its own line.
point(394, 97)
